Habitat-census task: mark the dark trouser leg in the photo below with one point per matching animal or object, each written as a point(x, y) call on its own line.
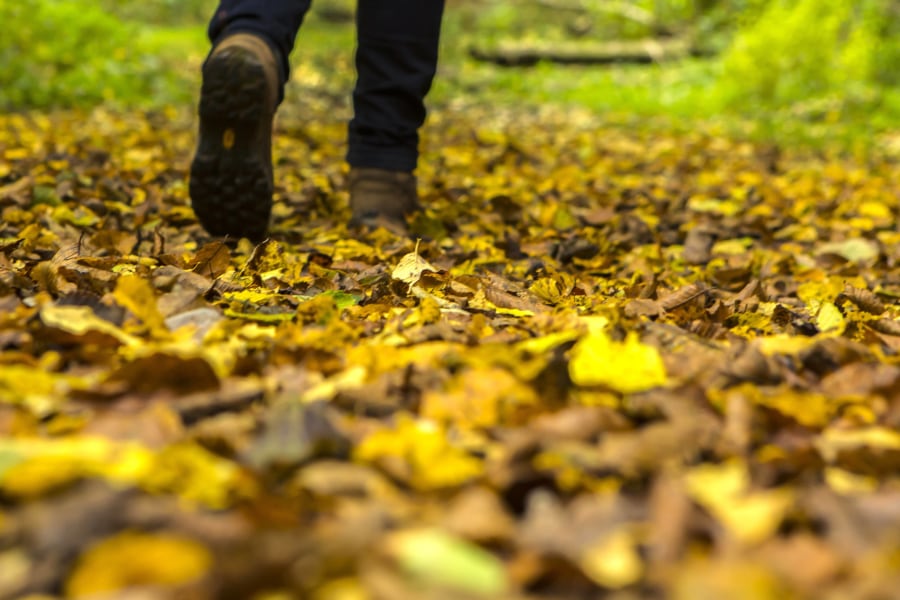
point(275, 21)
point(396, 60)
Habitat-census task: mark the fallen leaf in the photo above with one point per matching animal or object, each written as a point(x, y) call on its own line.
point(628, 366)
point(750, 516)
point(613, 562)
point(134, 559)
point(434, 558)
point(853, 249)
point(411, 266)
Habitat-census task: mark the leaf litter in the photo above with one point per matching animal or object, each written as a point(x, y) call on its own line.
point(613, 362)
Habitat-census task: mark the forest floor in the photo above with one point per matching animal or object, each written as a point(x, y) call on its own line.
point(611, 362)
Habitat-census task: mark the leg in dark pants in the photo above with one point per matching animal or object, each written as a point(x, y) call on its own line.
point(395, 61)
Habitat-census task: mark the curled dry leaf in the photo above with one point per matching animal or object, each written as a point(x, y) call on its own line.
point(865, 300)
point(683, 296)
point(411, 266)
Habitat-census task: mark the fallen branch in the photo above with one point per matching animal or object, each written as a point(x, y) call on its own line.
point(519, 54)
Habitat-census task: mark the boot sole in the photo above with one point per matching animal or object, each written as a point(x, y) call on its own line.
point(231, 181)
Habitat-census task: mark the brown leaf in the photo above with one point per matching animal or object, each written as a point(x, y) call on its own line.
point(698, 245)
point(211, 260)
point(295, 433)
point(478, 515)
point(642, 307)
point(865, 300)
point(683, 296)
point(162, 371)
point(885, 325)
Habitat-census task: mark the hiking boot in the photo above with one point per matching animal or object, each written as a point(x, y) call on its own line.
point(379, 197)
point(231, 175)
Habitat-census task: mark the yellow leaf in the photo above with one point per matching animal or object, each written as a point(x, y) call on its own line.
point(81, 321)
point(348, 379)
point(736, 246)
point(34, 467)
point(807, 408)
point(428, 311)
point(197, 475)
point(479, 398)
point(346, 588)
point(830, 319)
point(411, 267)
point(551, 289)
point(137, 295)
point(439, 559)
point(702, 204)
point(479, 301)
point(429, 458)
point(43, 465)
point(819, 290)
point(723, 490)
point(133, 559)
point(853, 250)
point(727, 579)
point(845, 482)
point(614, 561)
point(38, 390)
point(784, 344)
point(833, 440)
point(254, 295)
point(546, 343)
point(875, 209)
point(15, 567)
point(626, 367)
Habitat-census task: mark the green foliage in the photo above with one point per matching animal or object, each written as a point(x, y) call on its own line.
point(805, 49)
point(162, 12)
point(60, 53)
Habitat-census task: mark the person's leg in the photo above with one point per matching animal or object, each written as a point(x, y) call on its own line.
point(396, 59)
point(231, 180)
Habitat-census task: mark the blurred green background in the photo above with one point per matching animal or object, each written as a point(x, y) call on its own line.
point(819, 71)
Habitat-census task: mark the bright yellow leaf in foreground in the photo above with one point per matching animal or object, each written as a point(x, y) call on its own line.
point(134, 559)
point(724, 490)
point(830, 319)
point(628, 366)
point(137, 295)
point(82, 321)
point(433, 557)
point(847, 483)
point(614, 561)
point(835, 440)
point(37, 466)
point(479, 398)
point(807, 408)
point(433, 462)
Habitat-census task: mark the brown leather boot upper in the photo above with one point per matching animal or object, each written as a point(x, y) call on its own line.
point(263, 53)
point(379, 197)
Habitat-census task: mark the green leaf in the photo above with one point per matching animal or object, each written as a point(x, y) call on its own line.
point(8, 459)
point(261, 317)
point(437, 558)
point(342, 300)
point(853, 250)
